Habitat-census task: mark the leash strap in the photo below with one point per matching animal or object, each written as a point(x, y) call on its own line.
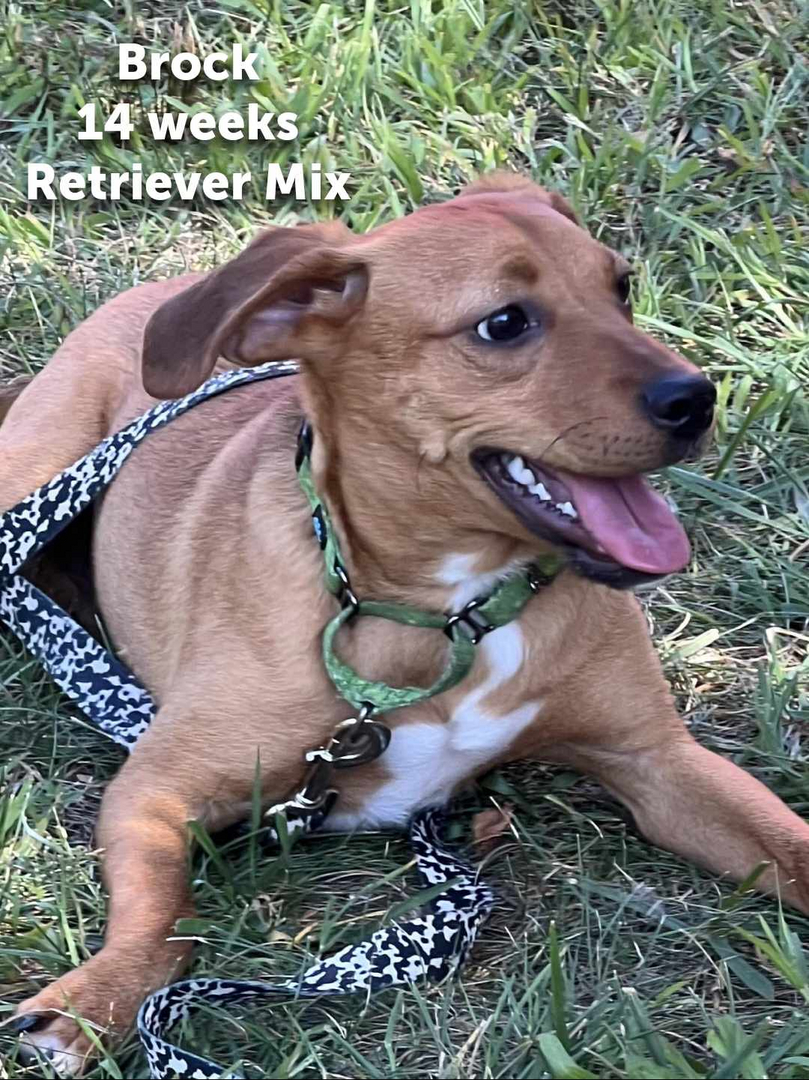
point(104, 688)
point(432, 944)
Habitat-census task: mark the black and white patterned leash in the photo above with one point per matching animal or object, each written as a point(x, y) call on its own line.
point(88, 673)
point(432, 944)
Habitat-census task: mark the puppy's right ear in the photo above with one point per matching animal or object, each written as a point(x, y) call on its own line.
point(260, 306)
point(501, 182)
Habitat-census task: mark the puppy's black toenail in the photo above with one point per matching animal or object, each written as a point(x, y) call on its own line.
point(26, 1022)
point(30, 1055)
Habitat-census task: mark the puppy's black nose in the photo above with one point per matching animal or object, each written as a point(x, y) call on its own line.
point(681, 404)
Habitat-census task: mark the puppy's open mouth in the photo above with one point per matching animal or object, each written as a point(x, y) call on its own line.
point(617, 522)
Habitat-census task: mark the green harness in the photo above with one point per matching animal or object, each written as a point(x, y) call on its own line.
point(465, 629)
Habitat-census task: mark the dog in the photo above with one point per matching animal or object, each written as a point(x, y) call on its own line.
point(479, 396)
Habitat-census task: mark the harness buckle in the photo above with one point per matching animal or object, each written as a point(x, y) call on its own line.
point(537, 578)
point(471, 618)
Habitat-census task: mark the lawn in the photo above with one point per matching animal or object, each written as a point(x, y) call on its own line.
point(679, 132)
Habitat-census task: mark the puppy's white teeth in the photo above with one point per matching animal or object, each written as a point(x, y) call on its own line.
point(541, 491)
point(519, 472)
point(568, 509)
point(515, 469)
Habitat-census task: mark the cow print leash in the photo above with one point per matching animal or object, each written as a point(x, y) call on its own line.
point(432, 944)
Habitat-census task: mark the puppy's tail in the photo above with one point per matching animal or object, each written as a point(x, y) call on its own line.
point(9, 392)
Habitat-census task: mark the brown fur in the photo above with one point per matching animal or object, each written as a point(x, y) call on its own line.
point(9, 392)
point(211, 585)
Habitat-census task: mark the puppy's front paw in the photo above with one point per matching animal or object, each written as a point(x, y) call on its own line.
point(57, 1039)
point(48, 1025)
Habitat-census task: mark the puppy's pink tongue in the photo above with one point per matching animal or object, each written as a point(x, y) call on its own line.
point(631, 522)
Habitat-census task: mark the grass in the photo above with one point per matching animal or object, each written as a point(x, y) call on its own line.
point(679, 131)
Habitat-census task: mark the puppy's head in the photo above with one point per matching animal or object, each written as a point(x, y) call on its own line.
point(490, 340)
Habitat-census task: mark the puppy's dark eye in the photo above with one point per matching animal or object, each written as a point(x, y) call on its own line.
point(504, 325)
point(624, 287)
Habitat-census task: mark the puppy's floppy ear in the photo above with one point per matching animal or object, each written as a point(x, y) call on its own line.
point(500, 182)
point(266, 304)
point(558, 203)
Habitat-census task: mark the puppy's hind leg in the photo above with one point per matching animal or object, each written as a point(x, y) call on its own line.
point(143, 831)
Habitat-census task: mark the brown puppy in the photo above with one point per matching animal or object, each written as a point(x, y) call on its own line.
point(478, 394)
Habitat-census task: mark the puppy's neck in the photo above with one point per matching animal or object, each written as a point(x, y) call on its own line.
point(405, 534)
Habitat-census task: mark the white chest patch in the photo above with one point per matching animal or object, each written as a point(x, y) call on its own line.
point(458, 572)
point(426, 762)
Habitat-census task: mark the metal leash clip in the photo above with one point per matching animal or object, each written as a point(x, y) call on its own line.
point(356, 741)
point(359, 740)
